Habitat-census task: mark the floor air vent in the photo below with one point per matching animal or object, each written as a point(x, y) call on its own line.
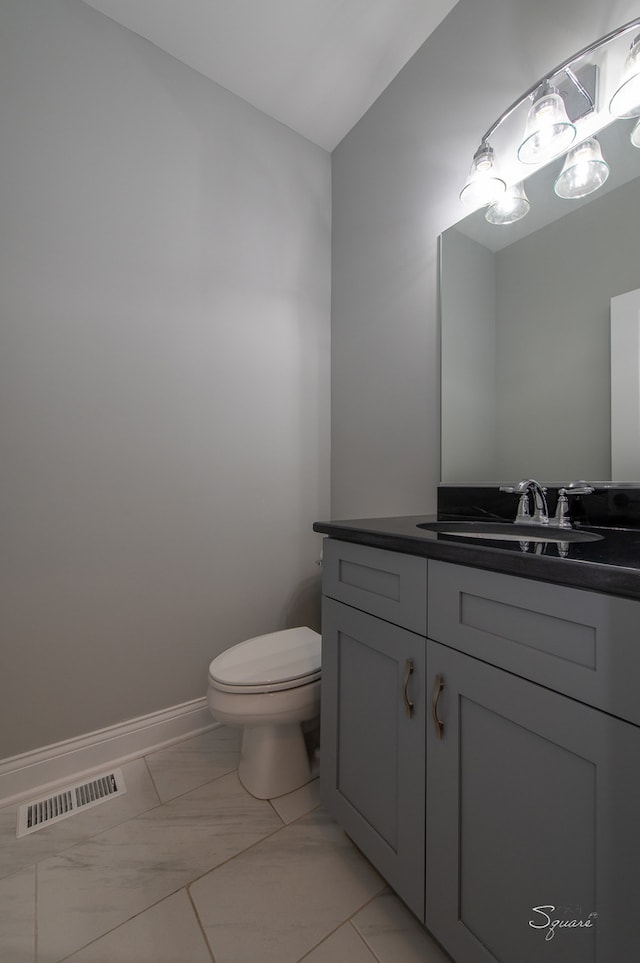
point(68, 801)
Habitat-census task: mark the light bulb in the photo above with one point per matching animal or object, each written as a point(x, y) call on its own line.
point(483, 185)
point(549, 131)
point(510, 207)
point(584, 171)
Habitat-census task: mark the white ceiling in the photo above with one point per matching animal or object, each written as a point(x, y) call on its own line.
point(315, 65)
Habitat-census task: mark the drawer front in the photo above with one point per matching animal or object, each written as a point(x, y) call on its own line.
point(388, 585)
point(582, 644)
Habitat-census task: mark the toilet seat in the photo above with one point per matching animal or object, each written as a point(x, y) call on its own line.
point(269, 663)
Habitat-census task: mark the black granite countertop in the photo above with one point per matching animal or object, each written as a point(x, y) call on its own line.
point(610, 565)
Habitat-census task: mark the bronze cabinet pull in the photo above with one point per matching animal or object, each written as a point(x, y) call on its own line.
point(438, 723)
point(408, 704)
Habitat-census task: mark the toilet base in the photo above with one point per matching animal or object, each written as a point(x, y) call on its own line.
point(273, 760)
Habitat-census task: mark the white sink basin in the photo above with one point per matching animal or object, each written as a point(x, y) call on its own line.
point(507, 531)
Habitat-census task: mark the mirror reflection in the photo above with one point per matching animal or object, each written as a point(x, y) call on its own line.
point(525, 328)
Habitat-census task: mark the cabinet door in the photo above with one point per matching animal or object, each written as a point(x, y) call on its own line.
point(372, 772)
point(533, 806)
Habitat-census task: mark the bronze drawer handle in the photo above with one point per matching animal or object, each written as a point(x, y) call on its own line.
point(408, 704)
point(439, 724)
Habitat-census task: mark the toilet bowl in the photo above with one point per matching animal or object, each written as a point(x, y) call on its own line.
point(270, 685)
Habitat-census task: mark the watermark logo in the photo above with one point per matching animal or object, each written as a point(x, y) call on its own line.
point(550, 919)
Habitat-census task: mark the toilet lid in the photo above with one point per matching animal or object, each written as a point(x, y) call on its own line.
point(279, 660)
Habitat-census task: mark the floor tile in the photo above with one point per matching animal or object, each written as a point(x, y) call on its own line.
point(394, 934)
point(343, 945)
point(17, 854)
point(298, 803)
point(92, 888)
point(17, 917)
point(196, 761)
point(256, 907)
point(169, 932)
point(136, 881)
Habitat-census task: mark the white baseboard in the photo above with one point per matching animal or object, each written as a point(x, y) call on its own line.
point(24, 775)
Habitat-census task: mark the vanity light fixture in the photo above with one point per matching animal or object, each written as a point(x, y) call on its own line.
point(584, 170)
point(551, 131)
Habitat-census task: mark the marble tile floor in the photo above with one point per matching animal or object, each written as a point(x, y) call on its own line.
point(187, 867)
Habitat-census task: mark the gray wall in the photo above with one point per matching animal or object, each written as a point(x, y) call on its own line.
point(396, 180)
point(164, 301)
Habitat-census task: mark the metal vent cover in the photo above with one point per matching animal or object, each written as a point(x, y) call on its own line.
point(66, 802)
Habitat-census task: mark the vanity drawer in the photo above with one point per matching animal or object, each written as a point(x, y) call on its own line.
point(583, 644)
point(386, 584)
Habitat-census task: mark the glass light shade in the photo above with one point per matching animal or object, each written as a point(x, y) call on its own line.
point(510, 207)
point(584, 170)
point(626, 100)
point(549, 131)
point(483, 185)
point(635, 135)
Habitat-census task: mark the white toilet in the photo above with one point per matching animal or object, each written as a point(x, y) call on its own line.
point(270, 685)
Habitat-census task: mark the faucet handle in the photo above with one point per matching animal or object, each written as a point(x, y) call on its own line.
point(577, 488)
point(523, 515)
point(562, 518)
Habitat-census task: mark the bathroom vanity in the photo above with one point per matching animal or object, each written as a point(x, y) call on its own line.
point(481, 734)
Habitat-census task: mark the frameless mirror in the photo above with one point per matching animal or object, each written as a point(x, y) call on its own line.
point(525, 328)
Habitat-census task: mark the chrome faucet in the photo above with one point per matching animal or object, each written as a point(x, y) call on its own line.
point(529, 487)
point(525, 488)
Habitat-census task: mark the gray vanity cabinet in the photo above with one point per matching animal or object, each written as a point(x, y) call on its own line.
point(533, 797)
point(373, 713)
point(507, 796)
